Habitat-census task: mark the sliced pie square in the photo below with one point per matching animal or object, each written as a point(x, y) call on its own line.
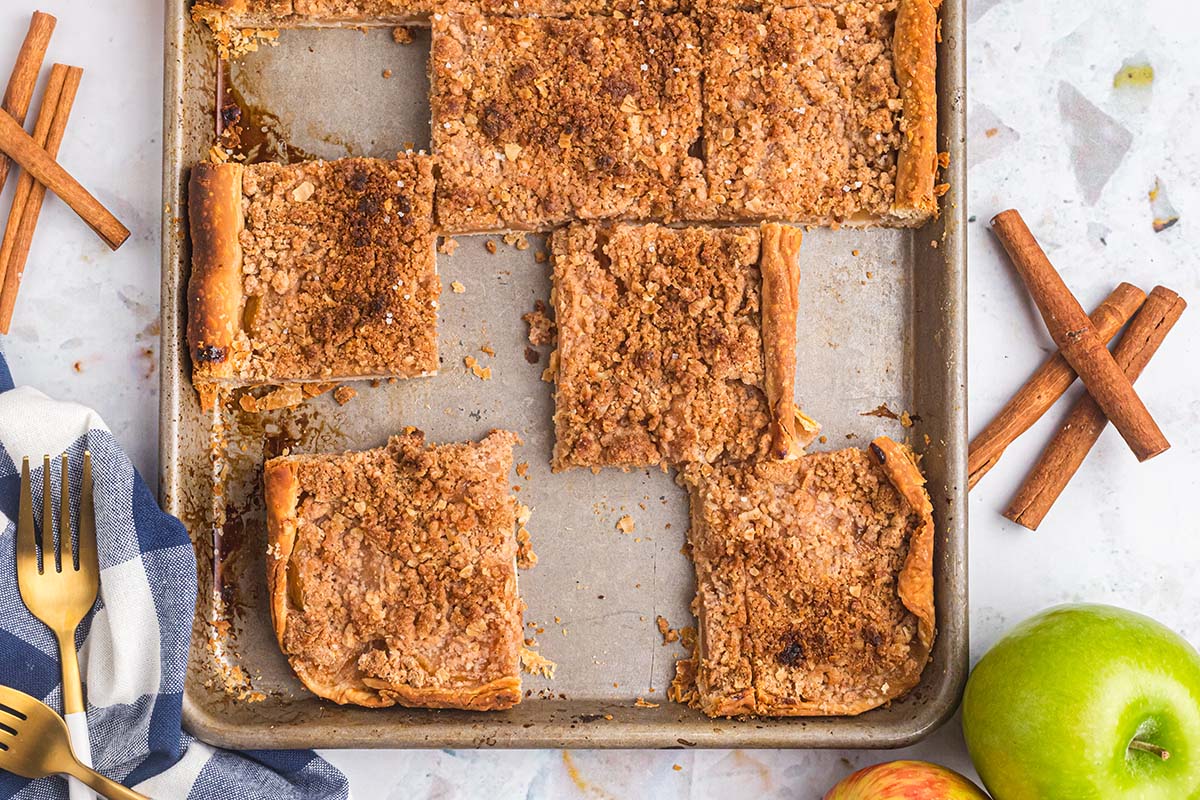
point(392, 573)
point(312, 272)
point(818, 113)
point(675, 345)
point(537, 121)
point(814, 583)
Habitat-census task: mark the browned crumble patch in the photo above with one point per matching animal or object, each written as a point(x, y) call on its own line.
point(541, 120)
point(802, 113)
point(542, 330)
point(344, 394)
point(669, 634)
point(803, 577)
point(395, 580)
point(660, 356)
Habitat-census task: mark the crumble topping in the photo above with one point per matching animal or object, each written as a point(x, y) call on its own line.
point(402, 579)
point(235, 19)
point(542, 330)
point(660, 356)
point(802, 113)
point(801, 597)
point(538, 120)
point(339, 272)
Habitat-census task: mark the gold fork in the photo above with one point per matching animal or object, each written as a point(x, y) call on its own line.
point(59, 587)
point(34, 743)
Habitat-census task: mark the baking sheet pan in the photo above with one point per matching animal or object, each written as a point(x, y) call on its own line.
point(882, 322)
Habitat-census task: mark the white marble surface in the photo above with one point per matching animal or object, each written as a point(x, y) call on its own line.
point(1048, 134)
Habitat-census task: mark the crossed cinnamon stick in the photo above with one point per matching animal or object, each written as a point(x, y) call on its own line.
point(36, 154)
point(1083, 352)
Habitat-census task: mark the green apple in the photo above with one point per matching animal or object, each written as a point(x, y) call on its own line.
point(1086, 702)
point(906, 780)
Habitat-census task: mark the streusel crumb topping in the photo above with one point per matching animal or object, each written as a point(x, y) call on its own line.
point(339, 271)
point(660, 356)
point(537, 121)
point(403, 573)
point(798, 569)
point(802, 113)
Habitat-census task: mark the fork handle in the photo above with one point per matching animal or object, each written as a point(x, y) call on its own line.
point(75, 712)
point(81, 744)
point(108, 788)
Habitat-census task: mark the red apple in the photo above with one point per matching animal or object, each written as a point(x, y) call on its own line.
point(906, 780)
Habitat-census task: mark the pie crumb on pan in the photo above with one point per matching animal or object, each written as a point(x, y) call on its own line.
point(392, 573)
point(819, 113)
point(814, 583)
point(321, 271)
point(675, 345)
point(538, 121)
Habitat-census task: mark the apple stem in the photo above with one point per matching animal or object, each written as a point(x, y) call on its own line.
point(1146, 747)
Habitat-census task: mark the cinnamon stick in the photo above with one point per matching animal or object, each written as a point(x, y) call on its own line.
point(24, 76)
point(25, 151)
point(1044, 387)
point(1076, 337)
point(1074, 440)
point(27, 201)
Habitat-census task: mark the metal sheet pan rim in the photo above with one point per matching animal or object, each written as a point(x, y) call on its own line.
point(561, 726)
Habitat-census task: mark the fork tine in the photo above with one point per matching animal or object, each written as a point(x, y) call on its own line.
point(88, 558)
point(64, 516)
point(48, 541)
point(27, 543)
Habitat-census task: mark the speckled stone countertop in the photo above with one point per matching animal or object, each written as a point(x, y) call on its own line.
point(1050, 133)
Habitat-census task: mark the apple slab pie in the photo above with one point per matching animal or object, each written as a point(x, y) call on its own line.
point(392, 572)
point(313, 272)
point(814, 583)
point(675, 345)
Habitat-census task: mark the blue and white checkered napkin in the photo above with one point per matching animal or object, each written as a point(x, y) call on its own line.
point(134, 644)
